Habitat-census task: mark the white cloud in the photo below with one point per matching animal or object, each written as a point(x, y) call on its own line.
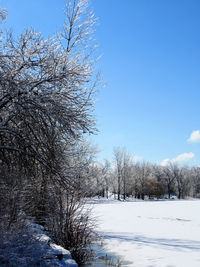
point(194, 137)
point(178, 159)
point(165, 162)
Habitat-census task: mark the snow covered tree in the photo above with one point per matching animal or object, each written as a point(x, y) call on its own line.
point(126, 173)
point(118, 157)
point(144, 172)
point(168, 180)
point(195, 181)
point(47, 90)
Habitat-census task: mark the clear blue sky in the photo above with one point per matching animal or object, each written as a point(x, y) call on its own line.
point(151, 67)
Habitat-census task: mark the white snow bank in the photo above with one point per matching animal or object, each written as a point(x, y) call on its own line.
point(62, 255)
point(32, 247)
point(156, 234)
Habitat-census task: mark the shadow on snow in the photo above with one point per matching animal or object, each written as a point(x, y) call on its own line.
point(160, 242)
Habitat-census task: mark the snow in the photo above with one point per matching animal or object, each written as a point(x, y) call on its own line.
point(151, 233)
point(58, 250)
point(53, 250)
point(30, 246)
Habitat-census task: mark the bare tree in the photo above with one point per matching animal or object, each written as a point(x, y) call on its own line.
point(144, 173)
point(195, 181)
point(106, 173)
point(168, 179)
point(126, 172)
point(177, 179)
point(47, 91)
point(118, 156)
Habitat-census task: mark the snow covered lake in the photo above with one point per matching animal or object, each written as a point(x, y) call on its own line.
point(151, 233)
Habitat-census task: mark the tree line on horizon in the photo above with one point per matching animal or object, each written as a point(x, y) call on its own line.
point(125, 178)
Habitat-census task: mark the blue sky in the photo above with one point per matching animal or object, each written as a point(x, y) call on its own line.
point(151, 68)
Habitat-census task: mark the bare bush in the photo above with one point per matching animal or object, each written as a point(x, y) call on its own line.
point(71, 225)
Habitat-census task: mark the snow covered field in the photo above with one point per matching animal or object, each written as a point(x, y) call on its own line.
point(151, 233)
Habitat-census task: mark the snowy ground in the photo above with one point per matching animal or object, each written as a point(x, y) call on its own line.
point(151, 233)
point(30, 246)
